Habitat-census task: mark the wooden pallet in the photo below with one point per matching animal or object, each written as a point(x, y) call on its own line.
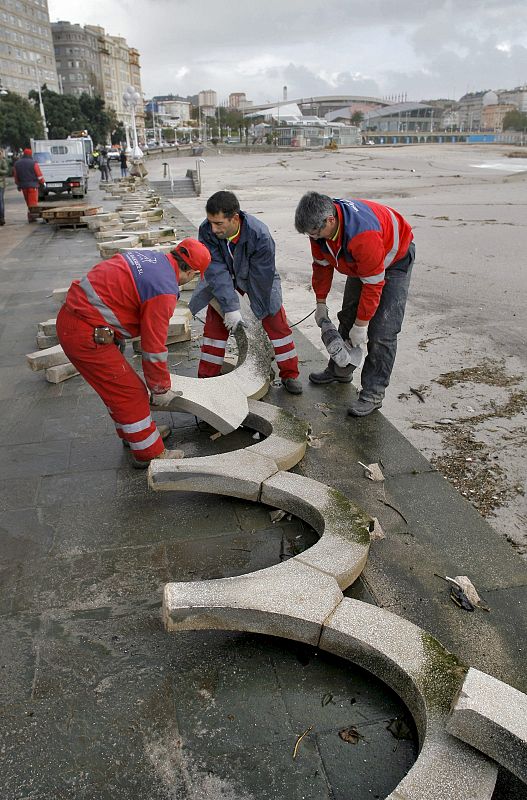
point(69, 216)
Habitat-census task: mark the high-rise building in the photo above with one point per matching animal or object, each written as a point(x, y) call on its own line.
point(77, 58)
point(26, 47)
point(207, 101)
point(90, 60)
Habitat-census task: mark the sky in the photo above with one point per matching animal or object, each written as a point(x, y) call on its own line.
point(379, 48)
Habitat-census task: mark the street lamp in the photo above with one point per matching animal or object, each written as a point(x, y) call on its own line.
point(40, 103)
point(131, 98)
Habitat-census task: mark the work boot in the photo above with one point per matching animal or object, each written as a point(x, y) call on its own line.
point(169, 454)
point(164, 432)
point(361, 407)
point(292, 385)
point(332, 374)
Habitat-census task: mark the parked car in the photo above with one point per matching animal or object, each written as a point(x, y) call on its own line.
point(114, 153)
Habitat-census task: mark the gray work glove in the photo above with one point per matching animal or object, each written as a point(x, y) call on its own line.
point(161, 400)
point(321, 312)
point(359, 335)
point(232, 319)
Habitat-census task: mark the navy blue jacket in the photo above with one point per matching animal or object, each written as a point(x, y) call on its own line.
point(25, 174)
point(253, 271)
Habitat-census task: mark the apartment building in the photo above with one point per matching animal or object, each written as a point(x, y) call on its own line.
point(92, 61)
point(27, 59)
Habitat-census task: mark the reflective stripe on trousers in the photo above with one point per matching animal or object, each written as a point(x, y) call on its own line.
point(120, 388)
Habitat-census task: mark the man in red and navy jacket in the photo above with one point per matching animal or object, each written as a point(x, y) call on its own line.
point(28, 177)
point(373, 246)
point(131, 294)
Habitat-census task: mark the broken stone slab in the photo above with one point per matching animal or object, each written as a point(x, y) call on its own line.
point(237, 474)
point(286, 435)
point(43, 359)
point(48, 327)
point(427, 678)
point(344, 543)
point(157, 236)
point(111, 236)
point(223, 401)
point(108, 249)
point(289, 600)
point(492, 717)
point(136, 227)
point(62, 372)
point(43, 341)
point(59, 295)
point(95, 222)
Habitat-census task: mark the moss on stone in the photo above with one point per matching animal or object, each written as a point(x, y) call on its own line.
point(341, 511)
point(441, 675)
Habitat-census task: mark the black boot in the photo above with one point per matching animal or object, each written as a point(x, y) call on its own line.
point(332, 374)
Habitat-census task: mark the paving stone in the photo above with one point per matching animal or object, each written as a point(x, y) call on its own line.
point(48, 327)
point(59, 295)
point(62, 372)
point(26, 533)
point(43, 359)
point(427, 678)
point(274, 601)
point(237, 474)
point(286, 435)
point(26, 460)
point(344, 541)
point(44, 342)
point(18, 492)
point(108, 249)
point(492, 717)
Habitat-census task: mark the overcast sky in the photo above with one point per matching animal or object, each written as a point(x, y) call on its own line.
point(424, 48)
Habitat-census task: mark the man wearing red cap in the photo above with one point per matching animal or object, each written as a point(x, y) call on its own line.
point(131, 294)
point(28, 176)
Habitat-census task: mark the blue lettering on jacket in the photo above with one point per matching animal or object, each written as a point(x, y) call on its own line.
point(152, 272)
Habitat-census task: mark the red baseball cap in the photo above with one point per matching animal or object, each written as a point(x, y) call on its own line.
point(27, 151)
point(194, 254)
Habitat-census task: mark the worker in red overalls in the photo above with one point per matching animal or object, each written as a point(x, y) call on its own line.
point(28, 177)
point(243, 262)
point(131, 294)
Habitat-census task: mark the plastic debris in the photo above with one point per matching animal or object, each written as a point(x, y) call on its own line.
point(372, 471)
point(276, 515)
point(376, 531)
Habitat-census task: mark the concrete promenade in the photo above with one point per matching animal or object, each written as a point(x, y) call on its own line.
point(97, 701)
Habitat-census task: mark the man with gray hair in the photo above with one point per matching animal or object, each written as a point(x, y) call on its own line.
point(373, 246)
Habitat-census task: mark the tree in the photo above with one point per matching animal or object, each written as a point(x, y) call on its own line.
point(119, 134)
point(63, 113)
point(100, 121)
point(356, 118)
point(515, 121)
point(19, 121)
point(169, 134)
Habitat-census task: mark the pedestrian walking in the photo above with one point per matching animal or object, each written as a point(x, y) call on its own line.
point(243, 262)
point(124, 163)
point(372, 245)
point(104, 165)
point(131, 294)
point(28, 177)
point(4, 172)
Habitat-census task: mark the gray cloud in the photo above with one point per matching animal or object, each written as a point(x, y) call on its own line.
point(424, 48)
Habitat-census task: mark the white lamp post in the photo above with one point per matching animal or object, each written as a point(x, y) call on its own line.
point(131, 98)
point(40, 103)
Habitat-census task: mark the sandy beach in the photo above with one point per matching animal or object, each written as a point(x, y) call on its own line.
point(459, 386)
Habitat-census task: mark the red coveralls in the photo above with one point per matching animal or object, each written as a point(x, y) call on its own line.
point(215, 336)
point(135, 294)
point(28, 176)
